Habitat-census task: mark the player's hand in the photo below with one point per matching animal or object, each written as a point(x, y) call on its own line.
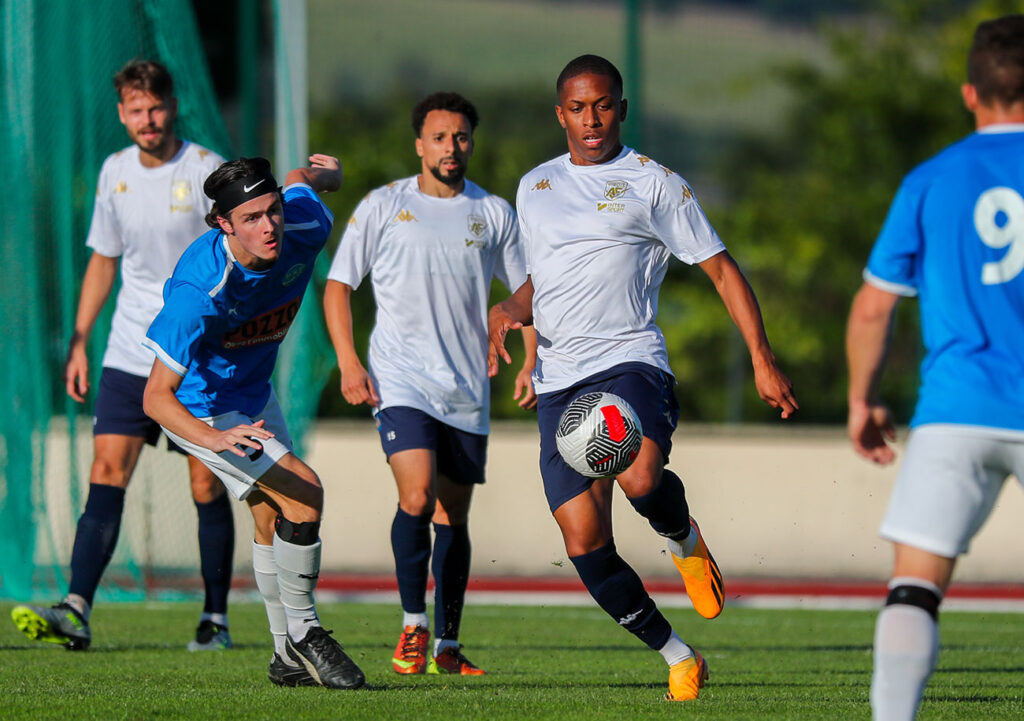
point(76, 370)
point(870, 427)
point(320, 160)
point(326, 172)
point(499, 323)
point(248, 436)
point(775, 388)
point(524, 387)
point(357, 386)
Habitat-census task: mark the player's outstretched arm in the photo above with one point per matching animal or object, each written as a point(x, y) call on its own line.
point(356, 384)
point(160, 404)
point(323, 174)
point(96, 286)
point(869, 423)
point(772, 384)
point(511, 314)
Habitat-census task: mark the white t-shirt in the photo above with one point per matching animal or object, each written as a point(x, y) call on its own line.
point(147, 217)
point(431, 262)
point(597, 241)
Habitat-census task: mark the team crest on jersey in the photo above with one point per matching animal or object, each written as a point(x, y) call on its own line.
point(405, 216)
point(121, 187)
point(543, 184)
point(293, 274)
point(180, 190)
point(477, 225)
point(615, 188)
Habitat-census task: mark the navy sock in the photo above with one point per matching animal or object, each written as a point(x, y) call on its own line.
point(620, 592)
point(410, 542)
point(95, 539)
point(216, 551)
point(451, 574)
point(665, 507)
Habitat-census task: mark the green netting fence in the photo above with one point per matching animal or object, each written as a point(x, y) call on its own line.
point(58, 122)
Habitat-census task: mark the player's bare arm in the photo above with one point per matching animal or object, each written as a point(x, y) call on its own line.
point(511, 314)
point(96, 286)
point(323, 175)
point(773, 386)
point(163, 406)
point(356, 384)
point(524, 378)
point(869, 423)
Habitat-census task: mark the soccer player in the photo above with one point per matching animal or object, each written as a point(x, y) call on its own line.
point(598, 225)
point(227, 308)
point(954, 237)
point(149, 207)
point(432, 243)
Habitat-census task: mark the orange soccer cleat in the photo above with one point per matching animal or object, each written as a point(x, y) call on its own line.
point(701, 577)
point(411, 651)
point(686, 678)
point(451, 660)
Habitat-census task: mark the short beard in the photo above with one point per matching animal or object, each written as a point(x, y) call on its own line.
point(451, 180)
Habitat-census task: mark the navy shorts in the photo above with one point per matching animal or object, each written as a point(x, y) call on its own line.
point(461, 456)
point(118, 408)
point(645, 387)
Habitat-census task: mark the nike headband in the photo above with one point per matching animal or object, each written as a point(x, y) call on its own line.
point(244, 189)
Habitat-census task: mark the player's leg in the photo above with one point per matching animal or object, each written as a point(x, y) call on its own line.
point(216, 556)
point(945, 490)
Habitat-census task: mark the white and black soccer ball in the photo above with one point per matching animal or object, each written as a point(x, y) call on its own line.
point(599, 435)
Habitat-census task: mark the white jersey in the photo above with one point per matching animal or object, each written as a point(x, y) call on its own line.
point(147, 217)
point(431, 261)
point(598, 240)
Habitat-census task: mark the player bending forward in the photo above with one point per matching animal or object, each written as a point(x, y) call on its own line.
point(227, 307)
point(598, 226)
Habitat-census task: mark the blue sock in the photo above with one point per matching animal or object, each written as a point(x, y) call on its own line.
point(410, 542)
point(665, 507)
point(216, 551)
point(451, 574)
point(620, 592)
point(95, 539)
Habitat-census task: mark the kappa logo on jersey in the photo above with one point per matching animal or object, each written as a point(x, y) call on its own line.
point(477, 225)
point(667, 171)
point(544, 184)
point(293, 274)
point(405, 216)
point(203, 153)
point(271, 327)
point(180, 191)
point(687, 193)
point(352, 220)
point(615, 188)
point(644, 160)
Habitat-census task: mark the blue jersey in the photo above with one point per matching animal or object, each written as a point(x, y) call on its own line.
point(954, 237)
point(222, 324)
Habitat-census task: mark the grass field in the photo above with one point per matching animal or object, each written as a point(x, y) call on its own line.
point(557, 663)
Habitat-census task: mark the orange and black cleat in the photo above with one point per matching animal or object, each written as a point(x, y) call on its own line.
point(686, 678)
point(701, 577)
point(411, 651)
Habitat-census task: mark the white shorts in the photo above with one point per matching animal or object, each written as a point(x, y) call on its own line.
point(949, 481)
point(240, 473)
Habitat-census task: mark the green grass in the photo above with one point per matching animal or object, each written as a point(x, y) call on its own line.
point(546, 663)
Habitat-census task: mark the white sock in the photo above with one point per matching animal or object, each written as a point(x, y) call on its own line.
point(79, 604)
point(298, 568)
point(415, 619)
point(906, 650)
point(685, 547)
point(441, 644)
point(221, 619)
point(265, 570)
point(675, 650)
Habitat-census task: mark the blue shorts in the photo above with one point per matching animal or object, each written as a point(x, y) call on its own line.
point(118, 408)
point(645, 387)
point(460, 455)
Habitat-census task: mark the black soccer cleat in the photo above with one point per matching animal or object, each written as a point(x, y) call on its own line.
point(58, 624)
point(284, 675)
point(324, 660)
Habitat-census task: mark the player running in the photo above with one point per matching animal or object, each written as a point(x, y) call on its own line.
point(432, 243)
point(227, 308)
point(148, 209)
point(954, 237)
point(598, 226)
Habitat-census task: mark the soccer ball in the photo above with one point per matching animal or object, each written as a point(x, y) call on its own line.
point(599, 435)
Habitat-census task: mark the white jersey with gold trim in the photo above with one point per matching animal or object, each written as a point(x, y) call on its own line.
point(147, 217)
point(431, 262)
point(598, 239)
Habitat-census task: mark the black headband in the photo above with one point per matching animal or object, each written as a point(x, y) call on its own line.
point(244, 189)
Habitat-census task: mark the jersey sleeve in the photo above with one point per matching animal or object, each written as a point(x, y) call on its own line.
point(510, 268)
point(892, 265)
point(679, 222)
point(104, 229)
point(175, 333)
point(522, 226)
point(306, 219)
point(358, 246)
